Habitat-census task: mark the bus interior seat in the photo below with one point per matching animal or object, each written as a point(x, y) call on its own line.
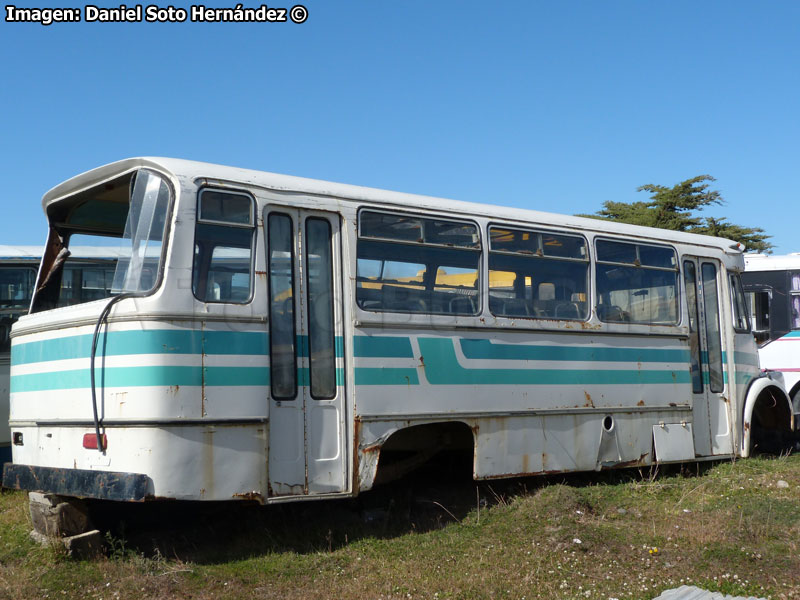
point(567, 310)
point(612, 313)
point(516, 307)
point(402, 299)
point(463, 305)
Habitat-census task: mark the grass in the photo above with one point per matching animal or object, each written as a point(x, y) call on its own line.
point(726, 527)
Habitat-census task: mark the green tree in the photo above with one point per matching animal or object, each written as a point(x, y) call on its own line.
point(674, 208)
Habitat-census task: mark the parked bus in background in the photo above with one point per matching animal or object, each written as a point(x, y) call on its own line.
point(274, 338)
point(87, 276)
point(772, 285)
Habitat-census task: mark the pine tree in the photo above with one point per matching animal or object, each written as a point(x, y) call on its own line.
point(673, 208)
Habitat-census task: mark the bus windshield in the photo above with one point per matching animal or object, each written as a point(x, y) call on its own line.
point(127, 216)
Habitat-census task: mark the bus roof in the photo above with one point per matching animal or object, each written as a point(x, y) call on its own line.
point(193, 170)
point(765, 262)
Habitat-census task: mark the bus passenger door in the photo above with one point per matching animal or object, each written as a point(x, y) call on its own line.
point(307, 453)
point(710, 410)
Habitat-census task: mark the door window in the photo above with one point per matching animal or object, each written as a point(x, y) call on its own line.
point(713, 338)
point(321, 346)
point(280, 256)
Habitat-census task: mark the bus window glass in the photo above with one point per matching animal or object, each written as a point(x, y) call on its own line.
point(616, 252)
point(537, 275)
point(401, 228)
point(741, 323)
point(794, 306)
point(690, 280)
point(390, 227)
point(280, 259)
point(224, 207)
point(223, 250)
point(758, 302)
point(713, 336)
point(82, 282)
point(16, 287)
point(321, 350)
point(655, 256)
point(142, 240)
point(563, 246)
point(433, 271)
point(636, 283)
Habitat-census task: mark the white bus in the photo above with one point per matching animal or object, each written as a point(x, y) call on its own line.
point(772, 285)
point(87, 276)
point(274, 338)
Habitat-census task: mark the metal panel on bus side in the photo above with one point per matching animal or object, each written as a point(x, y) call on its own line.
point(673, 442)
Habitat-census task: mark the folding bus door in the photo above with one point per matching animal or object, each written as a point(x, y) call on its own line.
point(307, 453)
point(709, 386)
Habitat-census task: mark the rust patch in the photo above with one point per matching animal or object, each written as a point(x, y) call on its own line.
point(640, 403)
point(588, 399)
point(256, 496)
point(356, 437)
point(637, 462)
point(371, 449)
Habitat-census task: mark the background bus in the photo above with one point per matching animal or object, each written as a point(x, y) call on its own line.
point(772, 284)
point(87, 276)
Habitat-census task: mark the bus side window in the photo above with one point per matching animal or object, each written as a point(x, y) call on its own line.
point(537, 274)
point(636, 283)
point(224, 233)
point(411, 264)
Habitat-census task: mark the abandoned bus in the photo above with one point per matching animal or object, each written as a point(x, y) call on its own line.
point(274, 338)
point(86, 276)
point(772, 287)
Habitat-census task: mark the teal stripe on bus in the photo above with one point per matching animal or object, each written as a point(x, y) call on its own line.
point(151, 341)
point(486, 350)
point(385, 376)
point(369, 346)
point(442, 368)
point(159, 375)
point(304, 377)
point(154, 341)
point(109, 377)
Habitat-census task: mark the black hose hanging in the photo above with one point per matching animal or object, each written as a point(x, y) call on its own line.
point(103, 316)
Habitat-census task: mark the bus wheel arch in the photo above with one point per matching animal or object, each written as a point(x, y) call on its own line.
point(408, 448)
point(794, 396)
point(768, 422)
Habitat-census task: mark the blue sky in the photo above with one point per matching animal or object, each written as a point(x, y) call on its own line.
point(554, 106)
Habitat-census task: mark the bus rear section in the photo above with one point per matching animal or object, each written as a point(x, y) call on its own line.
point(132, 392)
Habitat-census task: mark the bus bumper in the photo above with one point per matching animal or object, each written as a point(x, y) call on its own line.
point(79, 483)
